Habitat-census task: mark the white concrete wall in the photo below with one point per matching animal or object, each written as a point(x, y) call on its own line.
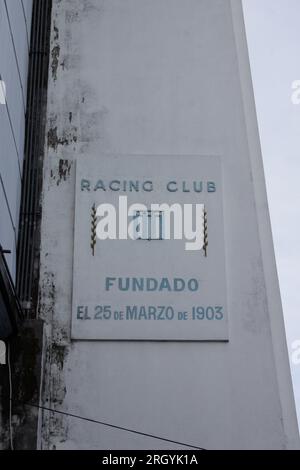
point(15, 23)
point(162, 77)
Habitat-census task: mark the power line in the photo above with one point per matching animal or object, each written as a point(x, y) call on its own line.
point(109, 425)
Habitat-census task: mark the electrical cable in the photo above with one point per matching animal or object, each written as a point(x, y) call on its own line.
point(102, 423)
point(64, 413)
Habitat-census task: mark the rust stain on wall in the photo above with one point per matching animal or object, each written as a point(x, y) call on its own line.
point(56, 33)
point(63, 171)
point(47, 296)
point(67, 138)
point(55, 53)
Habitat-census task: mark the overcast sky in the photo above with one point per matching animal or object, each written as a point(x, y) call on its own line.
point(273, 32)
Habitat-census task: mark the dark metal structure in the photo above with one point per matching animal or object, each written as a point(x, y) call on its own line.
point(30, 214)
point(11, 314)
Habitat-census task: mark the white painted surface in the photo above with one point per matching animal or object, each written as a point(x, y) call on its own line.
point(162, 77)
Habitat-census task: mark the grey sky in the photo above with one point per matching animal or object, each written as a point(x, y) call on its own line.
point(274, 46)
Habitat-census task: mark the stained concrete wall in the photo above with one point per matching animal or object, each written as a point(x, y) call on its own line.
point(15, 24)
point(161, 77)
